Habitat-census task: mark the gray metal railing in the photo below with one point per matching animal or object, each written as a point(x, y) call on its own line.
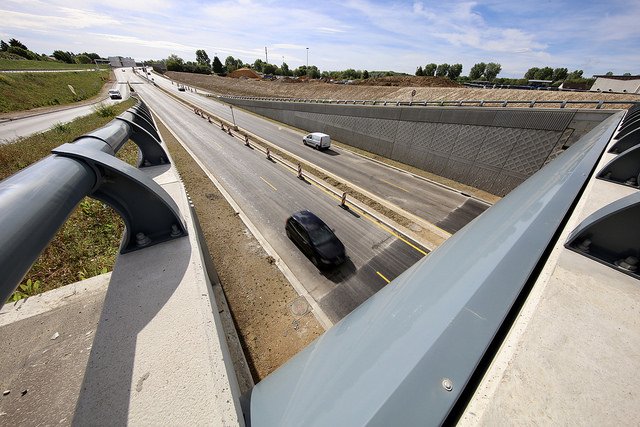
point(36, 201)
point(406, 355)
point(467, 103)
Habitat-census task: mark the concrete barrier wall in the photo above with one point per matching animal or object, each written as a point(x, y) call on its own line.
point(494, 149)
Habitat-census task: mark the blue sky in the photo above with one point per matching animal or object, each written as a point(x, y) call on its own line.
point(594, 36)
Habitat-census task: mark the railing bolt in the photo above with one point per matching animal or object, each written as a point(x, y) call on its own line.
point(175, 231)
point(630, 263)
point(142, 240)
point(447, 384)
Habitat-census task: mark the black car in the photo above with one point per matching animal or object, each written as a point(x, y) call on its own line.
point(316, 240)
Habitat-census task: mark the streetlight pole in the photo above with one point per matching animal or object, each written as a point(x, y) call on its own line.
point(307, 60)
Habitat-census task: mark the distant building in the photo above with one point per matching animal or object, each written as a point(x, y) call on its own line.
point(617, 84)
point(119, 61)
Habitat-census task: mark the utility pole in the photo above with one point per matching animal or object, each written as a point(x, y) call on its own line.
point(307, 60)
point(266, 58)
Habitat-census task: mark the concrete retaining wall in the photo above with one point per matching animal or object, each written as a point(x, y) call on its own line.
point(494, 149)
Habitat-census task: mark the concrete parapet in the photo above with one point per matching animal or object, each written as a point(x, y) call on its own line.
point(148, 349)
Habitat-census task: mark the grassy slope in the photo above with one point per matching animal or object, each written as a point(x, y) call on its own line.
point(88, 242)
point(8, 64)
point(24, 91)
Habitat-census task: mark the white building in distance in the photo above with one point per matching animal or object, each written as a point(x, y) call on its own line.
point(618, 84)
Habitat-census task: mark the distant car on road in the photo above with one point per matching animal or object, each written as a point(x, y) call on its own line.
point(317, 140)
point(315, 239)
point(115, 94)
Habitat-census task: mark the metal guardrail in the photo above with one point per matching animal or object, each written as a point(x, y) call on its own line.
point(469, 103)
point(406, 356)
point(36, 201)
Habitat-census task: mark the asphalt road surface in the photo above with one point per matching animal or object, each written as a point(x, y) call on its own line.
point(268, 193)
point(23, 126)
point(446, 208)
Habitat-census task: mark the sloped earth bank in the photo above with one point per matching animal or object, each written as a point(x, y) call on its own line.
point(402, 92)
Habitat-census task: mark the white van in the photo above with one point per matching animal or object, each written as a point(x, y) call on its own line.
point(317, 140)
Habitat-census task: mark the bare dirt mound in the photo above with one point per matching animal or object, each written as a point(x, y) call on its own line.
point(244, 72)
point(408, 81)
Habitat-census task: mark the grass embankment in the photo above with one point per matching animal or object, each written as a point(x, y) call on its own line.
point(88, 242)
point(26, 64)
point(24, 91)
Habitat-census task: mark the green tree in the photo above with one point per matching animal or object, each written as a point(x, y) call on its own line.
point(217, 66)
point(92, 55)
point(575, 75)
point(419, 71)
point(202, 58)
point(314, 73)
point(365, 74)
point(545, 73)
point(230, 64)
point(174, 63)
point(442, 70)
point(430, 69)
point(67, 57)
point(492, 70)
point(477, 71)
point(300, 71)
point(560, 74)
point(269, 68)
point(284, 70)
point(83, 59)
point(351, 74)
point(258, 64)
point(17, 43)
point(3, 46)
point(454, 71)
point(627, 74)
point(531, 73)
point(609, 73)
point(27, 54)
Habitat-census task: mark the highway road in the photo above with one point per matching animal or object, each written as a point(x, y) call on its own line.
point(268, 193)
point(445, 208)
point(24, 125)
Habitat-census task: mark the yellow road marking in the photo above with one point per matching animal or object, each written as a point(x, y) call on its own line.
point(269, 184)
point(381, 275)
point(385, 228)
point(392, 184)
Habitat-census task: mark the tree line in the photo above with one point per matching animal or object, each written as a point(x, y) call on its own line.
point(204, 65)
point(15, 49)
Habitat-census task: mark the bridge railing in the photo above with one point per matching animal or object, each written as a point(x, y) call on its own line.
point(35, 202)
point(407, 354)
point(466, 103)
